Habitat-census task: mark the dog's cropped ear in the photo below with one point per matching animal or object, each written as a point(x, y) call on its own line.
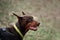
point(17, 16)
point(23, 13)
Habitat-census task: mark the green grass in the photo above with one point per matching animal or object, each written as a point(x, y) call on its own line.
point(46, 30)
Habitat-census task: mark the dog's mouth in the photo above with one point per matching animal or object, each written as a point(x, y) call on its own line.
point(34, 27)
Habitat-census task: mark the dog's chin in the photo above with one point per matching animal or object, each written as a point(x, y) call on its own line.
point(33, 28)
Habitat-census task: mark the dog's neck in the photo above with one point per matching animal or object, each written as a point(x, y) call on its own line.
point(21, 28)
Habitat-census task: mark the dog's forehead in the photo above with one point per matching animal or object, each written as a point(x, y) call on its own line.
point(27, 16)
point(31, 17)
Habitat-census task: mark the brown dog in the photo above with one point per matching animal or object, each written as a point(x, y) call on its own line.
point(17, 31)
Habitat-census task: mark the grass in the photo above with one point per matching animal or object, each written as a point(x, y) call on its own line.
point(46, 30)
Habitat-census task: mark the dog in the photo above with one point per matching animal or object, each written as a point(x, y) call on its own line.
point(18, 30)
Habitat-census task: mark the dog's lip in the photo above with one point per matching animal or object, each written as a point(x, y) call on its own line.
point(33, 28)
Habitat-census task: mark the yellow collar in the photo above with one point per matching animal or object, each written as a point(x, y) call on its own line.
point(16, 28)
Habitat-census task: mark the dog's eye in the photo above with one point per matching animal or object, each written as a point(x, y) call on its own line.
point(29, 20)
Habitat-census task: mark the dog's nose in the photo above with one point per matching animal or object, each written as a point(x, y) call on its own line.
point(38, 24)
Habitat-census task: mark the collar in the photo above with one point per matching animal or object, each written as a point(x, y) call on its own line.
point(18, 31)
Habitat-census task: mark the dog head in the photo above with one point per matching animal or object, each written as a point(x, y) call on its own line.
point(27, 22)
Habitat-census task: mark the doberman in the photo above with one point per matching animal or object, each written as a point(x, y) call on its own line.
point(18, 30)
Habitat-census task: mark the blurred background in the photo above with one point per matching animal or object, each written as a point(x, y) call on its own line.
point(47, 12)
